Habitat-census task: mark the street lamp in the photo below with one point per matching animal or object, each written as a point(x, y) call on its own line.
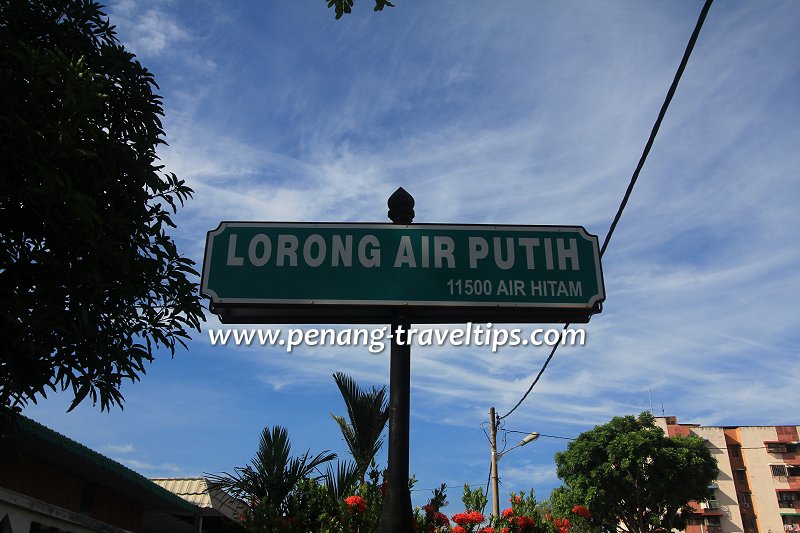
point(496, 457)
point(529, 438)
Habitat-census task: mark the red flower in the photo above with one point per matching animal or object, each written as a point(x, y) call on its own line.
point(507, 512)
point(515, 499)
point(566, 523)
point(487, 529)
point(562, 524)
point(440, 519)
point(580, 510)
point(355, 504)
point(459, 529)
point(504, 530)
point(468, 518)
point(524, 522)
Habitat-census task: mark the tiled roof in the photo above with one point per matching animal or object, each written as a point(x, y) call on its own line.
point(196, 491)
point(191, 489)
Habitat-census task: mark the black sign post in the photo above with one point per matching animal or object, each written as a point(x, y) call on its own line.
point(397, 516)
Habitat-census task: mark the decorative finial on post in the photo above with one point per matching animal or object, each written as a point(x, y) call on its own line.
point(401, 207)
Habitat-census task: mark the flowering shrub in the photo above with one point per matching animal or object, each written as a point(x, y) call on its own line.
point(310, 508)
point(561, 525)
point(434, 521)
point(355, 504)
point(521, 517)
point(580, 510)
point(579, 521)
point(468, 518)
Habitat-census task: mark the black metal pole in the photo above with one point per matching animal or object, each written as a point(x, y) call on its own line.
point(397, 516)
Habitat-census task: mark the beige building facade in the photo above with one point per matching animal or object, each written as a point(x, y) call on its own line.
point(758, 487)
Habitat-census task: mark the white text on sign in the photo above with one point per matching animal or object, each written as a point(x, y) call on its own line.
point(287, 250)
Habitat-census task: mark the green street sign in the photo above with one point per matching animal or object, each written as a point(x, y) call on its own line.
point(335, 272)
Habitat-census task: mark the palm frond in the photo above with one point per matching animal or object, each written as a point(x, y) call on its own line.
point(341, 480)
point(368, 412)
point(273, 473)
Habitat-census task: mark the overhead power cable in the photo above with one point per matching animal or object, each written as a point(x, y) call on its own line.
point(657, 125)
point(670, 93)
point(540, 434)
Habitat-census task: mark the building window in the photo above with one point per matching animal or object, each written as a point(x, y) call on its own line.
point(778, 470)
point(745, 500)
point(776, 447)
point(713, 524)
point(793, 470)
point(734, 450)
point(750, 523)
point(741, 474)
point(786, 499)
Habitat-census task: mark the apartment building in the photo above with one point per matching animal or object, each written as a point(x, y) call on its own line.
point(758, 487)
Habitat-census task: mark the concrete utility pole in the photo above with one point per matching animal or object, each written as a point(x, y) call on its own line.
point(493, 443)
point(497, 456)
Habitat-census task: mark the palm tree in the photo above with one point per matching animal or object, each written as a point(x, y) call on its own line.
point(272, 474)
point(340, 480)
point(368, 412)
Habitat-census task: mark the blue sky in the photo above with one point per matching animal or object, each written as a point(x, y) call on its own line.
point(505, 113)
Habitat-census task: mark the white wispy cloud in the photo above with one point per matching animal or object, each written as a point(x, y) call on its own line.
point(118, 448)
point(153, 470)
point(149, 31)
point(528, 474)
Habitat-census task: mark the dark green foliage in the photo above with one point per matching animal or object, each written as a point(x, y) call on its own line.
point(368, 412)
point(430, 518)
point(634, 478)
point(341, 480)
point(346, 6)
point(91, 285)
point(268, 483)
point(474, 500)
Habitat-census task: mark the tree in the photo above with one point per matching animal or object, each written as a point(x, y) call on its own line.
point(91, 285)
point(368, 412)
point(268, 482)
point(346, 6)
point(633, 477)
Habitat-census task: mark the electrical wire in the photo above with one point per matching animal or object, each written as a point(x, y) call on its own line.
point(486, 492)
point(673, 87)
point(484, 431)
point(540, 434)
point(670, 93)
point(539, 375)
